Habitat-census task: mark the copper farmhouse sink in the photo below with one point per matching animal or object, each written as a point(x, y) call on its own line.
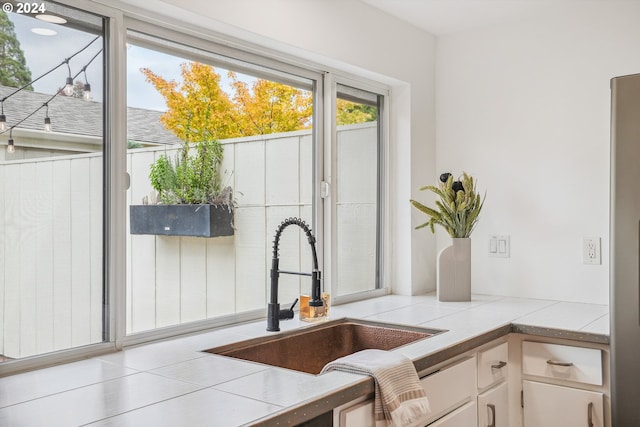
point(309, 349)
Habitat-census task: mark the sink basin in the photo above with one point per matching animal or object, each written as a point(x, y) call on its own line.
point(309, 349)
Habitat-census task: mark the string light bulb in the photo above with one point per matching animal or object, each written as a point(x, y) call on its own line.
point(10, 146)
point(86, 89)
point(47, 120)
point(86, 95)
point(68, 87)
point(3, 118)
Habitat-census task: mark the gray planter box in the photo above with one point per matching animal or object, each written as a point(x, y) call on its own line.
point(182, 220)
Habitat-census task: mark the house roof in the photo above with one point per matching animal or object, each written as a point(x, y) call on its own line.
point(77, 116)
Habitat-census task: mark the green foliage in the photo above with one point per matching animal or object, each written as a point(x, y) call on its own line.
point(163, 179)
point(348, 113)
point(13, 66)
point(456, 211)
point(133, 144)
point(193, 177)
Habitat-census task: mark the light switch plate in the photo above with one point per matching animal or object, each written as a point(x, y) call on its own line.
point(499, 246)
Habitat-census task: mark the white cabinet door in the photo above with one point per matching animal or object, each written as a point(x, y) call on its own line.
point(493, 407)
point(552, 405)
point(465, 416)
point(360, 415)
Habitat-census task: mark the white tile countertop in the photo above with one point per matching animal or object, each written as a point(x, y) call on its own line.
point(173, 382)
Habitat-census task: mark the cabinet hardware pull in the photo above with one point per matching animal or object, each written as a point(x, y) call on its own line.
point(492, 408)
point(590, 414)
point(499, 365)
point(556, 363)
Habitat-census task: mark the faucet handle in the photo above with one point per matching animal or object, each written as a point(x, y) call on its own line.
point(288, 313)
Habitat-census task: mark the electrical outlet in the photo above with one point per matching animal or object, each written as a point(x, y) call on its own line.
point(591, 250)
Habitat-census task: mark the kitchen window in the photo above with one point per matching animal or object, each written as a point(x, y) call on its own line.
point(100, 287)
point(326, 168)
point(264, 120)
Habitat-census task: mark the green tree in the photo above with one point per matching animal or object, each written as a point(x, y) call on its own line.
point(13, 66)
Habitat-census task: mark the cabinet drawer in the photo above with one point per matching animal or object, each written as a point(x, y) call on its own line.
point(450, 387)
point(492, 365)
point(564, 362)
point(464, 416)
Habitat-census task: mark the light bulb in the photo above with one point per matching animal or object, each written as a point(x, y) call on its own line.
point(10, 147)
point(47, 124)
point(68, 88)
point(3, 123)
point(86, 92)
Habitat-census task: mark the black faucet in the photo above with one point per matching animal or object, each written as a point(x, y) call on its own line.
point(274, 314)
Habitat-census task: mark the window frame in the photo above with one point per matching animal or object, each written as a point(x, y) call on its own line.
point(112, 20)
point(120, 20)
point(382, 276)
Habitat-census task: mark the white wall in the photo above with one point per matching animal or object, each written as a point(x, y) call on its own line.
point(347, 35)
point(524, 107)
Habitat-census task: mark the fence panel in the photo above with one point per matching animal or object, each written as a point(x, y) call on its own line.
point(51, 215)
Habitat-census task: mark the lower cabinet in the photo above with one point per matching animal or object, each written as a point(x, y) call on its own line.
point(516, 383)
point(554, 405)
point(563, 384)
point(493, 407)
point(448, 389)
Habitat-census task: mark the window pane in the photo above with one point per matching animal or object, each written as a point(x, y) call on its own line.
point(357, 191)
point(51, 183)
point(181, 95)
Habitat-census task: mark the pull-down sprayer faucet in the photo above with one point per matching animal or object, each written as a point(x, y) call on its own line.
point(274, 314)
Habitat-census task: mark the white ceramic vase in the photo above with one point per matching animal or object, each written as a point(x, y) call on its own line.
point(454, 271)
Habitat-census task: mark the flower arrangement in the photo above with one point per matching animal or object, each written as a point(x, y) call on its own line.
point(458, 207)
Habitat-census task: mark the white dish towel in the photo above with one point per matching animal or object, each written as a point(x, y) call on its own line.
point(400, 399)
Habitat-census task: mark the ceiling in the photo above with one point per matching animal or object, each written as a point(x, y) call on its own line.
point(440, 17)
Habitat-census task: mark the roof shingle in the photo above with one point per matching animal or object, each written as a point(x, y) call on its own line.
point(77, 116)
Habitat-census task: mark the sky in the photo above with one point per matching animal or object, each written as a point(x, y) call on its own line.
point(43, 53)
point(46, 52)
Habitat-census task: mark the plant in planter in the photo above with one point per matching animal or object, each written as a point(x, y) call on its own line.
point(192, 201)
point(457, 211)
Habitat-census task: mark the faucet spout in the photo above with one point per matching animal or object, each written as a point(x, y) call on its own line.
point(274, 314)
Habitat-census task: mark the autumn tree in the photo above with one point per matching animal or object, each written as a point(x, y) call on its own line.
point(13, 66)
point(270, 107)
point(199, 110)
